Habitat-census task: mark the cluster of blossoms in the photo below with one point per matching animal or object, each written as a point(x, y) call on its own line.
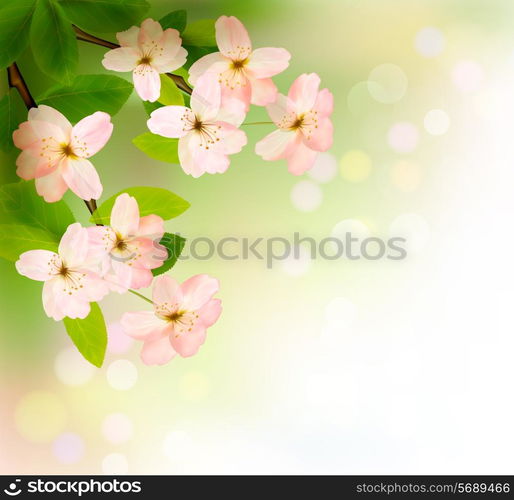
point(93, 261)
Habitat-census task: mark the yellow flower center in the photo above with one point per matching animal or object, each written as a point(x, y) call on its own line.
point(67, 151)
point(145, 60)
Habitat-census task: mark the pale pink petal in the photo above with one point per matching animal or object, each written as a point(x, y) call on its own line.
point(276, 145)
point(210, 312)
point(198, 290)
point(187, 146)
point(268, 61)
point(129, 37)
point(149, 35)
point(73, 246)
point(147, 82)
point(82, 178)
point(57, 303)
point(282, 111)
point(52, 186)
point(237, 100)
point(143, 325)
point(232, 139)
point(206, 98)
point(210, 162)
point(119, 276)
point(27, 165)
point(264, 91)
point(121, 59)
point(95, 288)
point(188, 343)
point(304, 91)
point(321, 137)
point(324, 104)
point(169, 65)
point(36, 264)
point(214, 63)
point(166, 53)
point(34, 134)
point(51, 305)
point(157, 351)
point(48, 114)
point(166, 291)
point(170, 121)
point(91, 134)
point(141, 278)
point(149, 253)
point(232, 38)
point(125, 215)
point(151, 226)
point(101, 240)
point(301, 159)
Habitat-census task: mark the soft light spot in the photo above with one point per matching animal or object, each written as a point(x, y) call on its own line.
point(350, 233)
point(40, 416)
point(387, 83)
point(194, 386)
point(121, 374)
point(403, 137)
point(429, 42)
point(115, 464)
point(177, 445)
point(468, 76)
point(68, 448)
point(436, 122)
point(406, 175)
point(118, 341)
point(117, 428)
point(72, 369)
point(340, 313)
point(298, 262)
point(306, 196)
point(355, 166)
point(324, 169)
point(414, 229)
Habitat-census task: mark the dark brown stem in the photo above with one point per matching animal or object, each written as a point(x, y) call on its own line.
point(86, 37)
point(16, 81)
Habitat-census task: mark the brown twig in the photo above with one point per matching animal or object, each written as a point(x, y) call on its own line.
point(86, 37)
point(16, 81)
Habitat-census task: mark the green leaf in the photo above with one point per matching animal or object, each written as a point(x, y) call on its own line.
point(170, 94)
point(151, 200)
point(105, 16)
point(53, 42)
point(176, 19)
point(195, 53)
point(20, 204)
point(151, 106)
point(158, 147)
point(12, 113)
point(89, 335)
point(15, 17)
point(87, 94)
point(200, 33)
point(16, 239)
point(174, 244)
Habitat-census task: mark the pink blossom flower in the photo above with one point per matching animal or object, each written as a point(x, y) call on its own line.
point(205, 137)
point(178, 323)
point(55, 153)
point(244, 75)
point(129, 249)
point(304, 126)
point(147, 51)
point(70, 285)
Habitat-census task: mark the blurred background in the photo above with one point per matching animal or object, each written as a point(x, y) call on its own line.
point(315, 366)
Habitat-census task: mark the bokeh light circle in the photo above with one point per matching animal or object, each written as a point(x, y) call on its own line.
point(122, 374)
point(118, 341)
point(68, 448)
point(340, 313)
point(345, 230)
point(40, 416)
point(414, 229)
point(355, 166)
point(306, 196)
point(177, 445)
point(194, 386)
point(387, 83)
point(324, 169)
point(72, 369)
point(429, 42)
point(117, 428)
point(403, 137)
point(468, 76)
point(298, 262)
point(115, 464)
point(406, 175)
point(436, 122)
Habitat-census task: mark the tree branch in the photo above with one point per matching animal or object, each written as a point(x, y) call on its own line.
point(86, 37)
point(16, 81)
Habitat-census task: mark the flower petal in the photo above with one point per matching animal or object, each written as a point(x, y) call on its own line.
point(91, 134)
point(187, 146)
point(82, 178)
point(213, 63)
point(206, 98)
point(322, 137)
point(275, 145)
point(170, 121)
point(264, 91)
point(121, 59)
point(35, 264)
point(166, 291)
point(268, 61)
point(232, 139)
point(48, 114)
point(210, 161)
point(171, 54)
point(73, 246)
point(129, 37)
point(151, 226)
point(210, 312)
point(301, 159)
point(188, 343)
point(147, 82)
point(42, 137)
point(142, 325)
point(52, 186)
point(282, 111)
point(304, 92)
point(27, 165)
point(157, 351)
point(232, 38)
point(149, 35)
point(198, 290)
point(57, 303)
point(324, 104)
point(125, 215)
